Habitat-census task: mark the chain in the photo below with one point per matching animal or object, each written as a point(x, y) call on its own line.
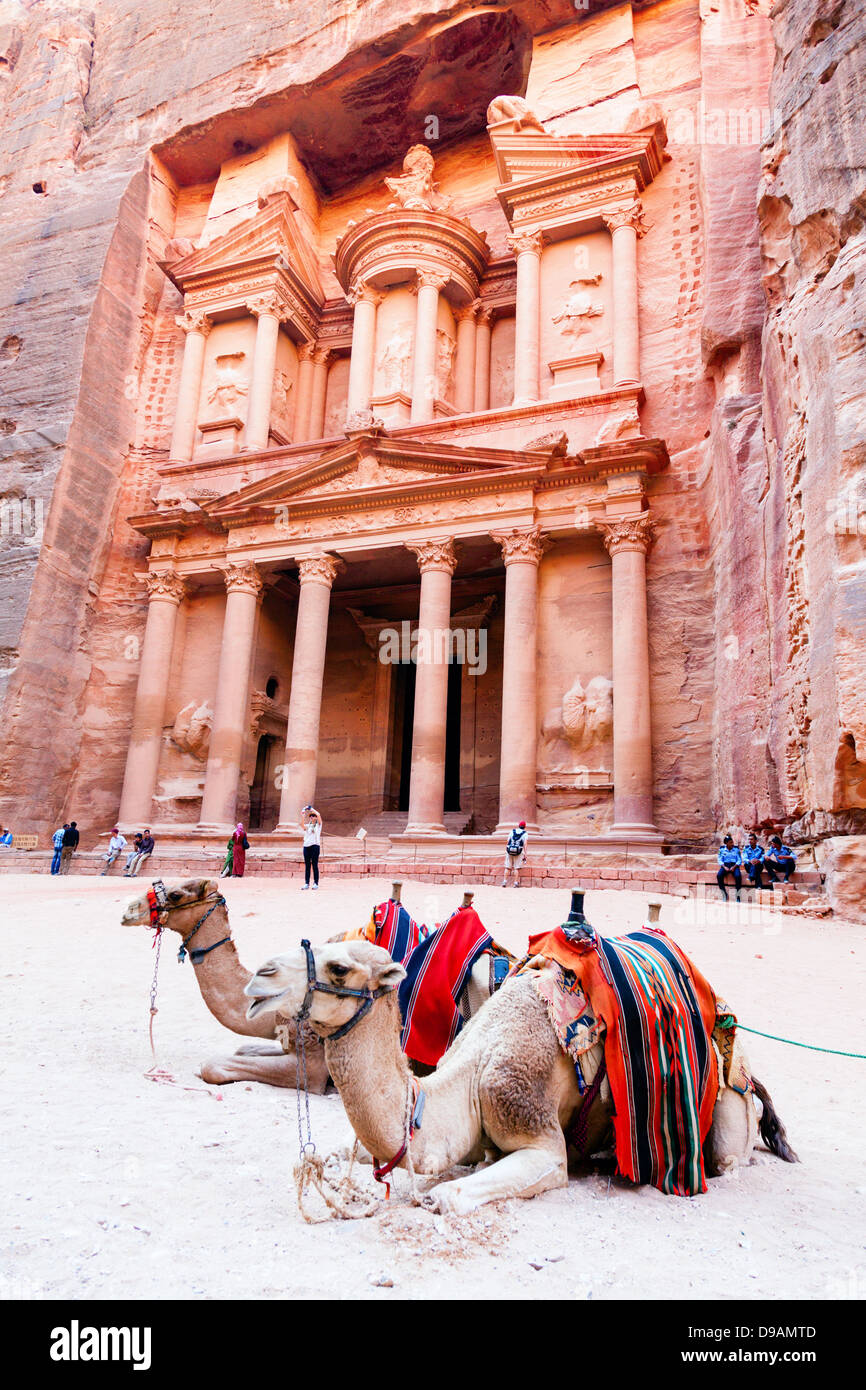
point(304, 1145)
point(157, 941)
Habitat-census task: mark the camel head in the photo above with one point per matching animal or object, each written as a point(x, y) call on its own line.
point(184, 900)
point(280, 985)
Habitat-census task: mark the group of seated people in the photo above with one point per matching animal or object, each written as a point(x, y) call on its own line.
point(143, 845)
point(777, 859)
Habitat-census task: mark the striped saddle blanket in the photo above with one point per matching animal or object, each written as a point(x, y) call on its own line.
point(657, 1014)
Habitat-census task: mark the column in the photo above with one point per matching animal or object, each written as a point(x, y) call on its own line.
point(266, 309)
point(366, 301)
point(437, 562)
point(521, 551)
point(464, 376)
point(424, 361)
point(321, 359)
point(303, 398)
point(196, 326)
point(316, 575)
point(627, 543)
point(625, 227)
point(165, 590)
point(219, 801)
point(483, 329)
point(527, 248)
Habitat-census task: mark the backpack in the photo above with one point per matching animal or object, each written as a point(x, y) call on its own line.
point(245, 844)
point(515, 842)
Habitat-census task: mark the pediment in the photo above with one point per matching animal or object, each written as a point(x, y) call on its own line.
point(270, 235)
point(530, 157)
point(360, 470)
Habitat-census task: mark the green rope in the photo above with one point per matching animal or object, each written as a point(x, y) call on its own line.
point(811, 1046)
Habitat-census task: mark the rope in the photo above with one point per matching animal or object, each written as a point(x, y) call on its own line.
point(155, 1072)
point(811, 1047)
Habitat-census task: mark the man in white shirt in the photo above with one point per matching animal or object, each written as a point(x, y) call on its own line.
point(312, 823)
point(115, 845)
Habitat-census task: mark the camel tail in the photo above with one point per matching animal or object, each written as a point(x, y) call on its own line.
point(772, 1130)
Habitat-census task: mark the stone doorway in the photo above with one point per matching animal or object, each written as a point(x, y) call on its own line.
point(398, 770)
point(264, 796)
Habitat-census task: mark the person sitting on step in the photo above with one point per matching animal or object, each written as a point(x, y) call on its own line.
point(753, 858)
point(730, 860)
point(779, 859)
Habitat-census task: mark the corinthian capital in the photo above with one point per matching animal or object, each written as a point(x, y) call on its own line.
point(194, 321)
point(521, 547)
point(319, 569)
point(435, 555)
point(164, 584)
point(360, 289)
point(635, 533)
point(268, 303)
point(436, 278)
point(242, 576)
point(627, 217)
point(522, 242)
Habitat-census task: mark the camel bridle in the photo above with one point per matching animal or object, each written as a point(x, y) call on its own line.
point(369, 996)
point(157, 899)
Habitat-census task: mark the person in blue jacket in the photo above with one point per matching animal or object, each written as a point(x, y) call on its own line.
point(779, 859)
point(753, 858)
point(730, 861)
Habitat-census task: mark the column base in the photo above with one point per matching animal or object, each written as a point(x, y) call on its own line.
point(288, 827)
point(635, 830)
point(214, 827)
point(506, 827)
point(431, 828)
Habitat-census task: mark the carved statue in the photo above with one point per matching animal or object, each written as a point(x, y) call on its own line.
point(619, 427)
point(516, 109)
point(415, 188)
point(192, 729)
point(575, 311)
point(583, 719)
point(445, 349)
point(178, 249)
point(394, 359)
point(228, 388)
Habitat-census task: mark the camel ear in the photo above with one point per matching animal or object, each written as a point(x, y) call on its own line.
point(388, 975)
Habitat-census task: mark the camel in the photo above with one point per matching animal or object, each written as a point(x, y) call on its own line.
point(504, 1089)
point(221, 978)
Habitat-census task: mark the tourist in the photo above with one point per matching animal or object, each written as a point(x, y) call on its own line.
point(779, 859)
point(133, 853)
point(144, 851)
point(240, 845)
point(57, 842)
point(753, 858)
point(226, 870)
point(69, 846)
point(730, 860)
point(115, 845)
point(6, 838)
point(515, 854)
point(312, 823)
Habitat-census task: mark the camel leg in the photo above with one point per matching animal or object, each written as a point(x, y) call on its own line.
point(272, 1068)
point(522, 1173)
point(733, 1133)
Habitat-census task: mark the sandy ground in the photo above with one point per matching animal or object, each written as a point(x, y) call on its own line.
point(118, 1187)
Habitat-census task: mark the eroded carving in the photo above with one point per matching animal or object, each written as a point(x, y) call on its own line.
point(415, 187)
point(582, 720)
point(192, 729)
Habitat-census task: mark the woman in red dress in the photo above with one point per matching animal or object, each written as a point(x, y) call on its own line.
point(240, 845)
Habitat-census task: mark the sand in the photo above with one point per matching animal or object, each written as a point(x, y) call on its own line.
point(117, 1187)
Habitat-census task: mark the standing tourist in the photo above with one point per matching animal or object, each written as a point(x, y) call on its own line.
point(312, 823)
point(226, 870)
point(515, 854)
point(779, 859)
point(730, 860)
point(115, 845)
point(69, 846)
point(753, 858)
point(240, 845)
point(57, 842)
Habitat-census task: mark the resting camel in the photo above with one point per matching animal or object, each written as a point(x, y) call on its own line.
point(221, 978)
point(504, 1088)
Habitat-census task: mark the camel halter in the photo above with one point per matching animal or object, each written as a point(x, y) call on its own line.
point(369, 996)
